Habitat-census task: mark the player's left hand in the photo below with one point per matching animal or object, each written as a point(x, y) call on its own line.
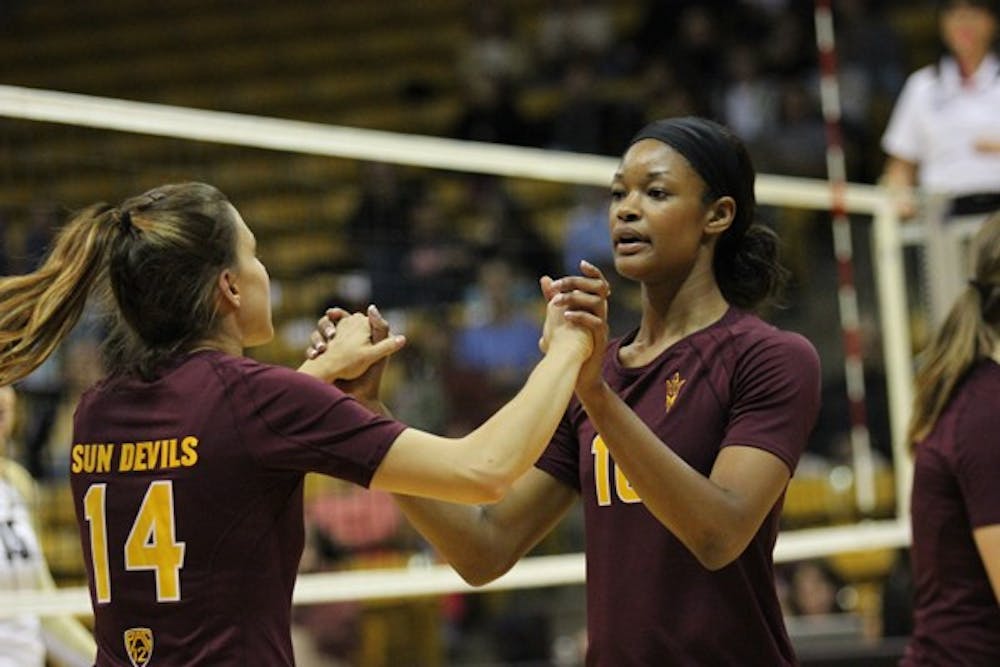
point(585, 299)
point(366, 386)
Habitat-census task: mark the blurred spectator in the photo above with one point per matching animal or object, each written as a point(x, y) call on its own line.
point(499, 340)
point(378, 227)
point(588, 231)
point(440, 262)
point(42, 392)
point(419, 394)
point(26, 640)
point(659, 27)
point(797, 144)
point(749, 99)
point(573, 30)
point(491, 114)
point(813, 588)
point(833, 426)
point(943, 133)
point(501, 225)
point(789, 47)
point(665, 95)
point(81, 368)
point(697, 50)
point(869, 57)
point(586, 121)
point(491, 49)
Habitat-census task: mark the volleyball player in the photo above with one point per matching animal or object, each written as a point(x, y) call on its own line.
point(188, 459)
point(955, 506)
point(682, 439)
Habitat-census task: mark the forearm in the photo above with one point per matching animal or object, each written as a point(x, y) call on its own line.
point(462, 535)
point(316, 369)
point(483, 542)
point(510, 441)
point(700, 513)
point(899, 175)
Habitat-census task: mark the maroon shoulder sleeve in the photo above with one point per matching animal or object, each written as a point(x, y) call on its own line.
point(311, 426)
point(776, 391)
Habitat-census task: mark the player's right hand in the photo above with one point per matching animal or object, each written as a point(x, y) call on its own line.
point(344, 346)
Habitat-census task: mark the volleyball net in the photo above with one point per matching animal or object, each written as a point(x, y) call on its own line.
point(295, 183)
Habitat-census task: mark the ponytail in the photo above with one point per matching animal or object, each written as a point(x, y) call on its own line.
point(38, 310)
point(748, 269)
point(968, 334)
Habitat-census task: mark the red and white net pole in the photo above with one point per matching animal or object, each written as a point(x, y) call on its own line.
point(861, 453)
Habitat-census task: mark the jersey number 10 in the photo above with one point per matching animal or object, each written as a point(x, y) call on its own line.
point(151, 544)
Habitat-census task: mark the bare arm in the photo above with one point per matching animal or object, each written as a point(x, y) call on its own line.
point(482, 466)
point(715, 517)
point(900, 177)
point(484, 542)
point(988, 543)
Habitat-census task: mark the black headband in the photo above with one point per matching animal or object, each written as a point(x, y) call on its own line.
point(715, 154)
point(704, 144)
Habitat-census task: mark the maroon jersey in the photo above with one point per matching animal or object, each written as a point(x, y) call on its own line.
point(739, 381)
point(188, 492)
point(955, 490)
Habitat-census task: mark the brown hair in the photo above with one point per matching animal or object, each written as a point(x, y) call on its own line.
point(154, 259)
point(968, 334)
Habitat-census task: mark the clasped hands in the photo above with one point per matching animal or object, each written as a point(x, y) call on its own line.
point(576, 316)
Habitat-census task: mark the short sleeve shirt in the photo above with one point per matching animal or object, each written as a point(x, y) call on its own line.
point(188, 492)
point(937, 121)
point(955, 491)
point(741, 382)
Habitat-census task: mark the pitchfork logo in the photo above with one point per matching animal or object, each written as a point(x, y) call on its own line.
point(139, 646)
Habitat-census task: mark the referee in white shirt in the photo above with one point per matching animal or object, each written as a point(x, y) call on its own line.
point(943, 140)
point(944, 133)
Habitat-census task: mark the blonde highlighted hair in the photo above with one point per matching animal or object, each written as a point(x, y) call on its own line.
point(968, 335)
point(154, 259)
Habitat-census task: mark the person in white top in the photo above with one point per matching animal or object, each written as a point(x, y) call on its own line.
point(27, 640)
point(944, 132)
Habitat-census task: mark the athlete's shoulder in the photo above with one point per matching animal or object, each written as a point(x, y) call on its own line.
point(255, 371)
point(753, 336)
point(976, 396)
point(753, 329)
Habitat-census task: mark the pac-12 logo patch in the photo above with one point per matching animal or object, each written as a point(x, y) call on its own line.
point(139, 646)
